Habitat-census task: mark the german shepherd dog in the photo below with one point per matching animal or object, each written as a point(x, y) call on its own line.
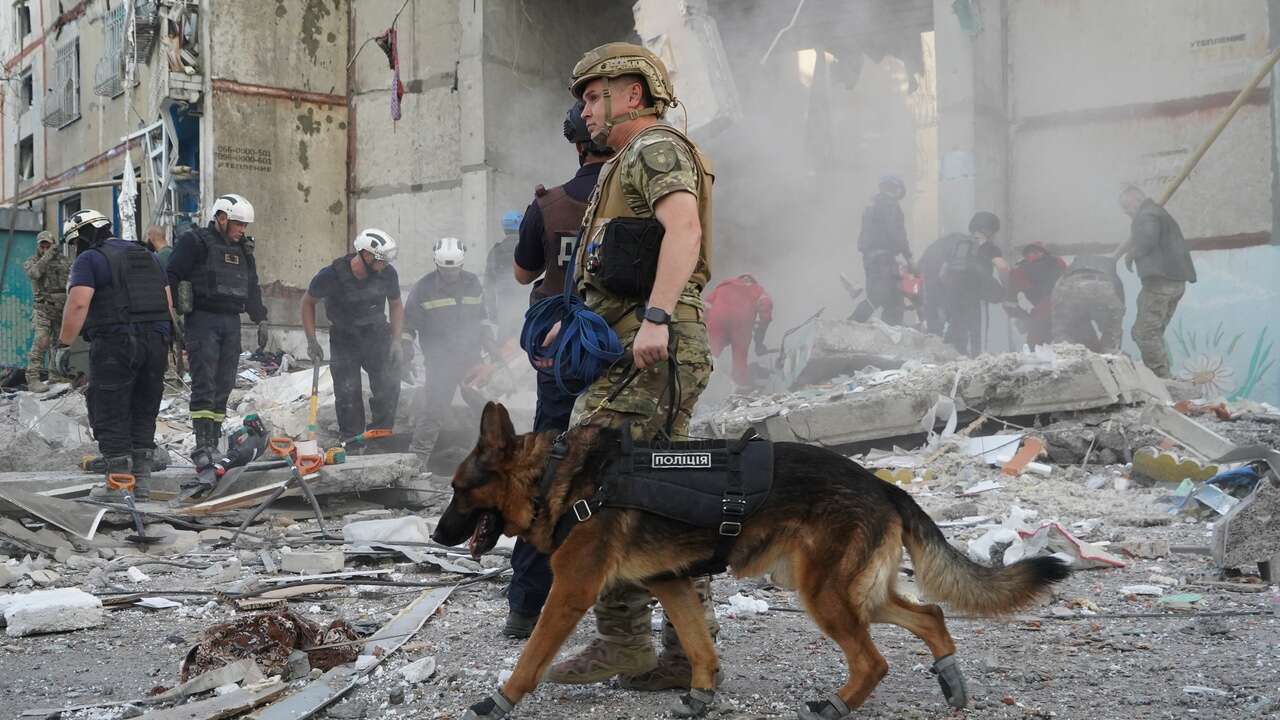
point(831, 526)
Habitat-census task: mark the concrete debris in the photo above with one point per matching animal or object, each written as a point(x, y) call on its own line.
point(1148, 590)
point(49, 611)
point(60, 421)
point(1187, 432)
point(136, 575)
point(418, 671)
point(843, 348)
point(852, 409)
point(310, 563)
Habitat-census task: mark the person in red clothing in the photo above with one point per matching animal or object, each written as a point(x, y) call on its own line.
point(738, 309)
point(1034, 277)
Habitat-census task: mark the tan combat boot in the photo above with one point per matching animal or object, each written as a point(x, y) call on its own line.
point(621, 646)
point(673, 670)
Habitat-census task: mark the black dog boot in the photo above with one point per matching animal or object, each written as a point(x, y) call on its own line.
point(833, 708)
point(952, 682)
point(694, 704)
point(491, 708)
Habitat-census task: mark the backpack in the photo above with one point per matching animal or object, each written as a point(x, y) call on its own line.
point(963, 267)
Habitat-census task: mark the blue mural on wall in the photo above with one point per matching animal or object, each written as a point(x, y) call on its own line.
point(1223, 337)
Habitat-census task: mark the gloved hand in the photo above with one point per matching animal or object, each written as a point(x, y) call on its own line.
point(407, 349)
point(396, 354)
point(760, 348)
point(314, 350)
point(62, 360)
point(262, 334)
point(1128, 262)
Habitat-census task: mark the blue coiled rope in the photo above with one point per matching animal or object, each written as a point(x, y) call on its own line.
point(584, 349)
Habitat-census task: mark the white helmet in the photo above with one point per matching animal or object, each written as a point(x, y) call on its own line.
point(379, 244)
point(235, 206)
point(80, 218)
point(449, 252)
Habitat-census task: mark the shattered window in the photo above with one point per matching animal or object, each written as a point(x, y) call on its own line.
point(26, 158)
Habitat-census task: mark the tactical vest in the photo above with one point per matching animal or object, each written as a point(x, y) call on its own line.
point(136, 293)
point(561, 223)
point(450, 316)
point(220, 279)
point(609, 202)
point(358, 303)
point(50, 289)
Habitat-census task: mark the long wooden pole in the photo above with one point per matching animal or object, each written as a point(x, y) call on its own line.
point(1222, 124)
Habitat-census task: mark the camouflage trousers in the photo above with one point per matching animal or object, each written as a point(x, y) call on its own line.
point(647, 402)
point(622, 610)
point(1081, 304)
point(47, 323)
point(1156, 303)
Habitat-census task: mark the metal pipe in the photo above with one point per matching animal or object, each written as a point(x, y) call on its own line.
point(64, 190)
point(1222, 125)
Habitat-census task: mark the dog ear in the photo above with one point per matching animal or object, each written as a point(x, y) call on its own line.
point(497, 434)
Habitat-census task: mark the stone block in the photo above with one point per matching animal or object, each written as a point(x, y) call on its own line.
point(313, 563)
point(46, 611)
point(8, 575)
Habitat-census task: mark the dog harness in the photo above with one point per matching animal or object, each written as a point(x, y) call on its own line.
point(712, 484)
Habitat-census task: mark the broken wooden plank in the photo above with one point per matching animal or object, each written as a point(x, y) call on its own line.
point(292, 592)
point(319, 694)
point(223, 706)
point(324, 576)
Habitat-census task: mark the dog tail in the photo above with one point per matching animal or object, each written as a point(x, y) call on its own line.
point(946, 574)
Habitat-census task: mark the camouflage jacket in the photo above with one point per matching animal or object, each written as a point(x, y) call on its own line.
point(48, 274)
point(657, 162)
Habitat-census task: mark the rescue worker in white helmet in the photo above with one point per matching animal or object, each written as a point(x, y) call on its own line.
point(119, 301)
point(359, 290)
point(217, 260)
point(446, 313)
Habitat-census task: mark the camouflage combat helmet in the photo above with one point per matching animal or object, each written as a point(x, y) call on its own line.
point(613, 60)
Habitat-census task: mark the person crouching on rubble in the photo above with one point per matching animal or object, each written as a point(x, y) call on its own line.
point(446, 313)
point(119, 300)
point(1034, 277)
point(358, 289)
point(739, 309)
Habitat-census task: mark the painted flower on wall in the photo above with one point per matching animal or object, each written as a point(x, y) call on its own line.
point(1210, 374)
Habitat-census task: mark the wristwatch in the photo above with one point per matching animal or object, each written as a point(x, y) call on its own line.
point(657, 316)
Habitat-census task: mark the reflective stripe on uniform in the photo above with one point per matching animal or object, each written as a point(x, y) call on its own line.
point(208, 415)
point(450, 302)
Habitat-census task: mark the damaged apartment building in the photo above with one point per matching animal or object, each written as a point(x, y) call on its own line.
point(281, 589)
point(1038, 111)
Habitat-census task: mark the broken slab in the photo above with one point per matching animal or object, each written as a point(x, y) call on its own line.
point(358, 474)
point(1195, 437)
point(892, 404)
point(844, 347)
point(47, 611)
point(76, 518)
point(1250, 531)
point(311, 563)
point(60, 421)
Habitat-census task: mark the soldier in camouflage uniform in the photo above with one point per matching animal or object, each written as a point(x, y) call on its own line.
point(1089, 295)
point(48, 270)
point(657, 173)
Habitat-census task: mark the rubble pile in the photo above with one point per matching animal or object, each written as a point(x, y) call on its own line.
point(1166, 512)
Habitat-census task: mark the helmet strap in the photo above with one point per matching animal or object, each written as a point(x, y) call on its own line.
point(602, 138)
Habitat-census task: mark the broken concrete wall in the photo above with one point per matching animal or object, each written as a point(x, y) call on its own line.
point(841, 348)
point(873, 406)
point(276, 130)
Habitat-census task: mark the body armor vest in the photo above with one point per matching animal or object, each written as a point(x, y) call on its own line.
point(561, 223)
point(358, 303)
point(609, 202)
point(221, 279)
point(136, 293)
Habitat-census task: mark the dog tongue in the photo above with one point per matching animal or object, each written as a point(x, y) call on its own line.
point(475, 538)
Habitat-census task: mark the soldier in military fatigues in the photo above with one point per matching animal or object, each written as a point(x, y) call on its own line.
point(1089, 295)
point(660, 175)
point(48, 270)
